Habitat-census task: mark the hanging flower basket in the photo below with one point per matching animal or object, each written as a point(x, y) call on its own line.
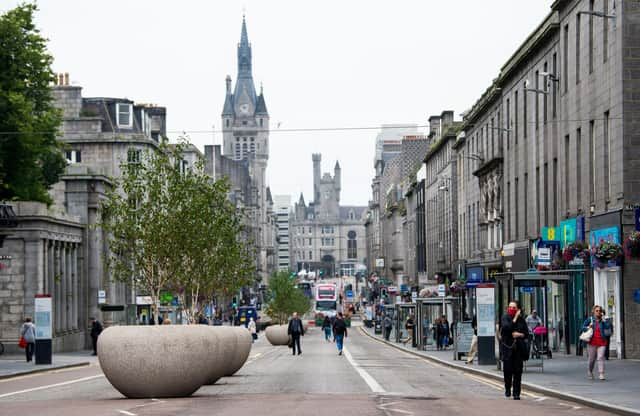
point(578, 250)
point(632, 245)
point(607, 254)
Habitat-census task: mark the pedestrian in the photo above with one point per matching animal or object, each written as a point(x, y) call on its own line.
point(295, 330)
point(513, 348)
point(597, 345)
point(326, 327)
point(202, 320)
point(387, 324)
point(340, 330)
point(332, 319)
point(446, 330)
point(474, 341)
point(252, 329)
point(28, 332)
point(96, 329)
point(409, 327)
point(166, 321)
point(533, 321)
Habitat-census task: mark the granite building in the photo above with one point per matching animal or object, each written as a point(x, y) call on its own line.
point(325, 236)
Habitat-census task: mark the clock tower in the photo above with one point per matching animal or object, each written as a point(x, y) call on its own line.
point(245, 138)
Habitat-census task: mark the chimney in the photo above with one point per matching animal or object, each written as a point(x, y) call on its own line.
point(434, 126)
point(447, 119)
point(66, 78)
point(60, 79)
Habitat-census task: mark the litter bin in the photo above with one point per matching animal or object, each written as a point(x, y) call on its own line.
point(378, 327)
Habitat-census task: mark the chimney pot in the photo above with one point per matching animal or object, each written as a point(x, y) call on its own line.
point(60, 79)
point(66, 78)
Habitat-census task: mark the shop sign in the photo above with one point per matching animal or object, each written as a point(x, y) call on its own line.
point(475, 275)
point(551, 233)
point(144, 300)
point(610, 235)
point(568, 231)
point(637, 215)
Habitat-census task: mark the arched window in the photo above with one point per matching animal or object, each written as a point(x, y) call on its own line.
point(352, 245)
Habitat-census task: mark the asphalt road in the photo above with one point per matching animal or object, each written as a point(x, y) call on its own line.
point(369, 379)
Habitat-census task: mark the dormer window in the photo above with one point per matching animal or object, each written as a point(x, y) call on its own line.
point(123, 114)
point(73, 156)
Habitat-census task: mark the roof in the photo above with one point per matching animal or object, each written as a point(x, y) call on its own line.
point(358, 211)
point(261, 106)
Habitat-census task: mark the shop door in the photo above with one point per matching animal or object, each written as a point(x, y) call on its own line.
point(606, 293)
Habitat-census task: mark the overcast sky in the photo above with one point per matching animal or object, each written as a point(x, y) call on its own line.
point(325, 65)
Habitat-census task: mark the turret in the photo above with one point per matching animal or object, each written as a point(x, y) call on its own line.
point(316, 157)
point(337, 179)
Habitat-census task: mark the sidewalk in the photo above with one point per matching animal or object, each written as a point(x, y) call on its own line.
point(564, 376)
point(15, 365)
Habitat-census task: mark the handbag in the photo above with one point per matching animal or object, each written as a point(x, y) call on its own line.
point(22, 343)
point(586, 335)
point(290, 342)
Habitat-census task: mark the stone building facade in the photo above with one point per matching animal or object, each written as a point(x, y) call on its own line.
point(58, 249)
point(325, 236)
point(556, 142)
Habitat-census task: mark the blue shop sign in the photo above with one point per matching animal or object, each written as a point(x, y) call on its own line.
point(475, 275)
point(637, 219)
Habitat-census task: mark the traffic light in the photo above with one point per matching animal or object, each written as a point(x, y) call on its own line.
point(234, 303)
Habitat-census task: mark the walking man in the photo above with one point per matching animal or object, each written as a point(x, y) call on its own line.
point(96, 329)
point(296, 330)
point(340, 332)
point(474, 341)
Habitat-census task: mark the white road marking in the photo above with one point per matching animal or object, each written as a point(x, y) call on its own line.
point(50, 386)
point(124, 412)
point(371, 382)
point(540, 399)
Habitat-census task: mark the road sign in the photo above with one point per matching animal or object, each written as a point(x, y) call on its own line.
point(349, 293)
point(442, 290)
point(102, 296)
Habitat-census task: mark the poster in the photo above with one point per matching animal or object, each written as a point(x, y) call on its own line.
point(43, 317)
point(485, 298)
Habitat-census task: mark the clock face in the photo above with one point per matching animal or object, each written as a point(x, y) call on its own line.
point(244, 108)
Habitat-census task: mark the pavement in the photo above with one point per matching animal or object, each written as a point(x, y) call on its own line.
point(16, 365)
point(563, 376)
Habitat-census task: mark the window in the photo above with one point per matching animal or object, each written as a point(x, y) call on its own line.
point(352, 245)
point(310, 255)
point(227, 121)
point(553, 83)
point(546, 194)
point(508, 122)
point(244, 122)
point(508, 197)
point(516, 203)
point(73, 156)
point(591, 37)
point(566, 171)
point(607, 157)
point(515, 115)
point(555, 191)
point(577, 48)
point(526, 205)
point(537, 107)
point(544, 96)
point(525, 127)
point(538, 197)
point(565, 61)
point(123, 112)
point(578, 169)
point(605, 30)
point(133, 156)
point(592, 160)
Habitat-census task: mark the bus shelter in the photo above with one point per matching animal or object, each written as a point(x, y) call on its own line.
point(403, 311)
point(428, 310)
point(558, 296)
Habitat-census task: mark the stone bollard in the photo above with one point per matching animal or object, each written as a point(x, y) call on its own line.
point(277, 334)
point(155, 361)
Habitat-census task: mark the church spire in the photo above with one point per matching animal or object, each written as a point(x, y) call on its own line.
point(244, 52)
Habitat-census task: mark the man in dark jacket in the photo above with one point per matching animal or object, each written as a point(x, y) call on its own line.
point(96, 329)
point(295, 330)
point(340, 331)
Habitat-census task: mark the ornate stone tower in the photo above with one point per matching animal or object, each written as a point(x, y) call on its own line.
point(245, 136)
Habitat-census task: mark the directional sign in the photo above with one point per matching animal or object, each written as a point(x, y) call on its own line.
point(442, 290)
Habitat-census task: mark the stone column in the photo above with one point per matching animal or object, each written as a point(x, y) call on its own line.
point(32, 272)
point(64, 287)
point(69, 295)
point(51, 270)
point(76, 291)
point(56, 285)
point(45, 266)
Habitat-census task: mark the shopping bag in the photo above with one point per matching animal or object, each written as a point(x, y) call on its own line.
point(22, 343)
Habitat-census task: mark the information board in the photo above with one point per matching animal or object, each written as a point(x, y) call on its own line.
point(43, 317)
point(464, 336)
point(485, 298)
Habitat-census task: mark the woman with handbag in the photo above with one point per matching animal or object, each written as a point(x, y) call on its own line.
point(596, 331)
point(28, 333)
point(514, 334)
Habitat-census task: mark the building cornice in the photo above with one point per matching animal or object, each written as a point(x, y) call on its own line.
point(488, 166)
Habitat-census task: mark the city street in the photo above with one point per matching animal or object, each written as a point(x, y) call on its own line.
point(369, 379)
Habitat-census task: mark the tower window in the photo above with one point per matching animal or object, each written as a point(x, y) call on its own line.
point(260, 122)
point(227, 122)
point(244, 122)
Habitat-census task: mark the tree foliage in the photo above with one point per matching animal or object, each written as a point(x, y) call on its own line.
point(174, 229)
point(30, 156)
point(285, 298)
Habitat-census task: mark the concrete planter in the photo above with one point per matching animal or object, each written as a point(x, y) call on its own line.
point(156, 361)
point(277, 334)
point(241, 351)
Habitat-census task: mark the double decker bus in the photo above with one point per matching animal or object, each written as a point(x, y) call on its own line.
point(326, 299)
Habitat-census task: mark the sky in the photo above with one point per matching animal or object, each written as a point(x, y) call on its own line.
point(328, 66)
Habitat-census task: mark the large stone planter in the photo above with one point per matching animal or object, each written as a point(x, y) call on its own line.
point(241, 351)
point(156, 361)
point(277, 334)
